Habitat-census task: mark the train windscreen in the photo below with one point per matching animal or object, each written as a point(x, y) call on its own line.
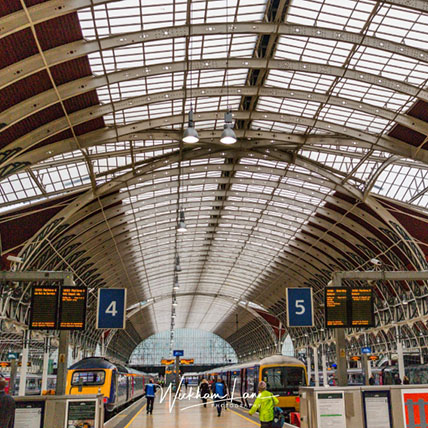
point(94, 377)
point(284, 380)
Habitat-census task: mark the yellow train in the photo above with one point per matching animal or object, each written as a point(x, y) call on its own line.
point(93, 375)
point(283, 376)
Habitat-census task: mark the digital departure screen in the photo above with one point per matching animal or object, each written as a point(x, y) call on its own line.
point(349, 307)
point(362, 307)
point(44, 303)
point(72, 309)
point(336, 307)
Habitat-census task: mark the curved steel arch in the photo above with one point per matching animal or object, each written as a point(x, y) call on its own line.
point(80, 48)
point(27, 107)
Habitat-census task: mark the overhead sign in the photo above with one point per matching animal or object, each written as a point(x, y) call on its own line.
point(167, 362)
point(178, 353)
point(8, 364)
point(187, 361)
point(44, 307)
point(355, 358)
point(336, 307)
point(111, 310)
point(349, 307)
point(373, 357)
point(12, 356)
point(300, 311)
point(366, 350)
point(362, 310)
point(72, 308)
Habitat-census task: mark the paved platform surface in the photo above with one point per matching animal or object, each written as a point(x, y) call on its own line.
point(185, 414)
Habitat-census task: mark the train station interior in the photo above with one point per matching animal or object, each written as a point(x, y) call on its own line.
point(228, 190)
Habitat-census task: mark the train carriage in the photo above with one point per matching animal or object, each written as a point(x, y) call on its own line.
point(117, 383)
point(283, 376)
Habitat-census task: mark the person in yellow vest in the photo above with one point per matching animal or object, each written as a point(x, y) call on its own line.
point(265, 404)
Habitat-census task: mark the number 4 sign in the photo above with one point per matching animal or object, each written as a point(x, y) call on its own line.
point(300, 312)
point(111, 310)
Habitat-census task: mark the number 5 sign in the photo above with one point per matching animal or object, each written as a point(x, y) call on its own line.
point(111, 311)
point(300, 308)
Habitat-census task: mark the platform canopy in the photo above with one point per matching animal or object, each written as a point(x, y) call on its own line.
point(329, 105)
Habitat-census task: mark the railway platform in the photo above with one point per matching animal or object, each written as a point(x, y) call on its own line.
point(183, 414)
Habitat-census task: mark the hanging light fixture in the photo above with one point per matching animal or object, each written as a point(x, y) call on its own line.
point(176, 285)
point(174, 303)
point(228, 136)
point(181, 223)
point(190, 134)
point(177, 264)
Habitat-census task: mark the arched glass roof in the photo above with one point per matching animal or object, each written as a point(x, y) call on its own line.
point(329, 105)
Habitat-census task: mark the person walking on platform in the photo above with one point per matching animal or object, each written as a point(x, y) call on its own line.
point(406, 380)
point(150, 392)
point(219, 394)
point(372, 380)
point(7, 407)
point(186, 383)
point(204, 390)
point(265, 404)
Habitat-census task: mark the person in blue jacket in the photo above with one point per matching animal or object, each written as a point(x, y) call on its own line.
point(150, 392)
point(219, 394)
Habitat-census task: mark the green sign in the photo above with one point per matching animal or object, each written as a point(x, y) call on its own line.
point(12, 356)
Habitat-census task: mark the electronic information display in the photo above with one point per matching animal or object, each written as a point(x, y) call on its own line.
point(72, 311)
point(362, 307)
point(44, 304)
point(336, 307)
point(349, 307)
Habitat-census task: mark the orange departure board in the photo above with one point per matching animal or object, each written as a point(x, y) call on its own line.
point(349, 307)
point(362, 307)
point(72, 308)
point(336, 307)
point(44, 304)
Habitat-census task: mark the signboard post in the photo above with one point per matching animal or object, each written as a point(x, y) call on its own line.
point(30, 414)
point(377, 409)
point(415, 405)
point(111, 310)
point(80, 413)
point(331, 410)
point(300, 311)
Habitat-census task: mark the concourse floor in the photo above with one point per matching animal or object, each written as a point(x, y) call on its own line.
point(194, 417)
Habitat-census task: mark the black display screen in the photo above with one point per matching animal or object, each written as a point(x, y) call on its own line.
point(72, 312)
point(349, 307)
point(362, 309)
point(44, 304)
point(336, 307)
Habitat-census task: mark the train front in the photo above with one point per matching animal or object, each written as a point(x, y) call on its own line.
point(93, 376)
point(284, 381)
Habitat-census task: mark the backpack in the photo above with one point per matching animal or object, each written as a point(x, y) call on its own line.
point(278, 417)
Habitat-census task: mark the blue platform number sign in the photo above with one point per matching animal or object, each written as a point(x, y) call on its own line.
point(366, 350)
point(300, 311)
point(111, 308)
point(178, 353)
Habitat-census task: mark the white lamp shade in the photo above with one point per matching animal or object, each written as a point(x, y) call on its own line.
point(228, 136)
point(190, 135)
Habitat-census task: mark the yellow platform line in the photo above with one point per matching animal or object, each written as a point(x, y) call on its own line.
point(132, 420)
point(244, 417)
